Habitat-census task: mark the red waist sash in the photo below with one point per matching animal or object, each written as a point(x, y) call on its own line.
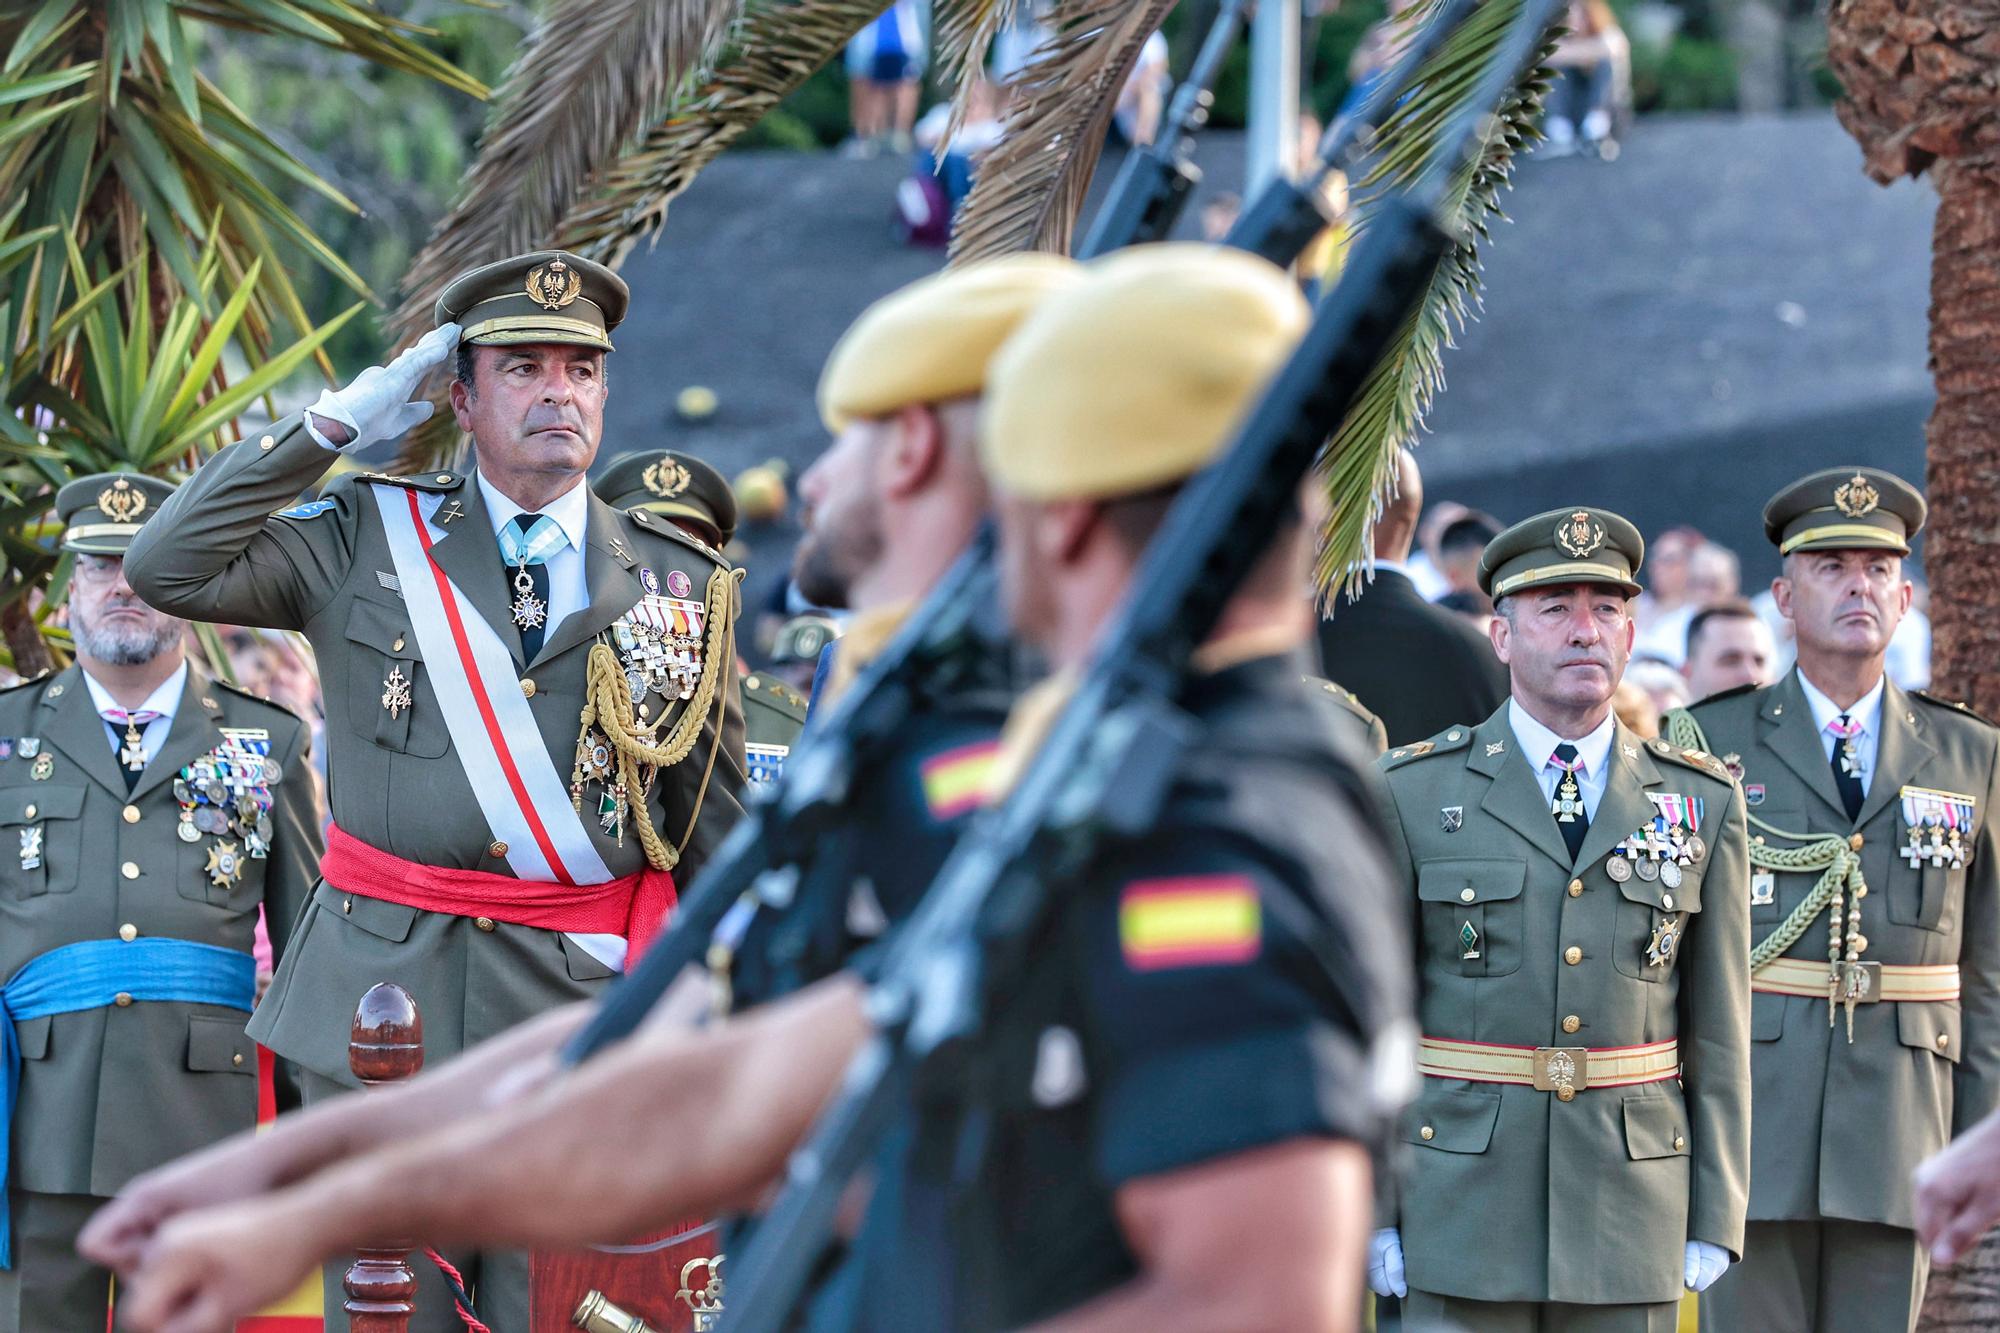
point(635, 906)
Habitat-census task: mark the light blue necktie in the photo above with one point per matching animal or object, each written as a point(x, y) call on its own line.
point(541, 540)
point(526, 544)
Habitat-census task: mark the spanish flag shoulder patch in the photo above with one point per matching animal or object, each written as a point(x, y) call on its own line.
point(1189, 921)
point(956, 780)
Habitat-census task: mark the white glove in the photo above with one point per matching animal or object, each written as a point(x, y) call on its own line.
point(1705, 1263)
point(377, 406)
point(1385, 1263)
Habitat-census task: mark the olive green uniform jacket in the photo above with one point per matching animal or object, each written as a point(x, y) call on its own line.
point(216, 552)
point(1510, 1193)
point(1839, 1127)
point(107, 1094)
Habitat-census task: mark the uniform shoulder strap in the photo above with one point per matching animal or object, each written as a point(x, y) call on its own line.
point(1445, 742)
point(1952, 705)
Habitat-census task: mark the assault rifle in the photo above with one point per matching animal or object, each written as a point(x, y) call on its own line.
point(1111, 755)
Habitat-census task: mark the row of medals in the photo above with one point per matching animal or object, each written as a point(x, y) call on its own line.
point(228, 792)
point(655, 661)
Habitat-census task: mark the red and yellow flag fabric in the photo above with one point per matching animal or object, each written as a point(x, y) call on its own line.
point(1189, 921)
point(956, 781)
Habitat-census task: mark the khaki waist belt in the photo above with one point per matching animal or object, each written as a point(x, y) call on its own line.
point(1868, 982)
point(1563, 1070)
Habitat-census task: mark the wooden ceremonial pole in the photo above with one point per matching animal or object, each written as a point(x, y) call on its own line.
point(386, 1044)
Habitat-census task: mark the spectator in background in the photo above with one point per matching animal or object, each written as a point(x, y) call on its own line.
point(1728, 646)
point(1635, 709)
point(1015, 43)
point(928, 198)
point(1416, 666)
point(1661, 682)
point(1377, 53)
point(1425, 571)
point(1143, 99)
point(885, 76)
point(1666, 574)
point(1471, 603)
point(1707, 573)
point(1458, 549)
point(1593, 66)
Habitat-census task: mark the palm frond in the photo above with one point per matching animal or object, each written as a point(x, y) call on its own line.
point(1031, 187)
point(773, 48)
point(589, 78)
point(1358, 464)
point(961, 38)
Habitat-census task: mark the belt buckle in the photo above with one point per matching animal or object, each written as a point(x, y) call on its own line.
point(1860, 983)
point(1563, 1070)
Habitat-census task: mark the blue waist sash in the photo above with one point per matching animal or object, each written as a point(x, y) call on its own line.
point(92, 974)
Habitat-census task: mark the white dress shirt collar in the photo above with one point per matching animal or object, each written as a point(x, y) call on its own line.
point(1867, 710)
point(165, 700)
point(1538, 742)
point(570, 510)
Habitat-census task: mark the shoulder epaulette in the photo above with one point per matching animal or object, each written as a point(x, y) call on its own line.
point(1455, 738)
point(1700, 760)
point(1345, 697)
point(1954, 705)
point(26, 681)
point(242, 692)
point(416, 481)
point(770, 690)
point(665, 527)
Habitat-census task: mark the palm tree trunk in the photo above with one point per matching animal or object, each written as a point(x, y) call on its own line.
point(1962, 551)
point(24, 639)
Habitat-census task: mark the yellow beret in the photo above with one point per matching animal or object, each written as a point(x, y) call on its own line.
point(1136, 378)
point(930, 341)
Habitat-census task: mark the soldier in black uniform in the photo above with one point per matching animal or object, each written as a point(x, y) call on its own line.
point(1195, 1067)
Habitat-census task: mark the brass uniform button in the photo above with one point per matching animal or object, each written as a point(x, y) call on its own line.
point(128, 932)
point(29, 813)
point(122, 999)
point(130, 814)
point(497, 850)
point(236, 1059)
point(1576, 888)
point(485, 923)
point(397, 646)
point(267, 444)
point(129, 870)
point(1667, 901)
point(1680, 1142)
point(1466, 895)
point(1854, 841)
point(1427, 1133)
point(1565, 1093)
point(1572, 1023)
point(346, 905)
point(1943, 1040)
point(527, 689)
point(1572, 955)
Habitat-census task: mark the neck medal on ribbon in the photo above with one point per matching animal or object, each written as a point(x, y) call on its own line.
point(226, 794)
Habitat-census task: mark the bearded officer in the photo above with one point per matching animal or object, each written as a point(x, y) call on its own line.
point(1580, 1147)
point(1875, 901)
point(148, 812)
point(490, 852)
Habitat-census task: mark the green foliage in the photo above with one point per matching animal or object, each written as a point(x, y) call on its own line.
point(1692, 74)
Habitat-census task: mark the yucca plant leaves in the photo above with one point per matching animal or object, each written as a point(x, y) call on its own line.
point(1358, 464)
point(1031, 186)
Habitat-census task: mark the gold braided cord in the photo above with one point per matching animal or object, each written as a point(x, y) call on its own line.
point(608, 706)
point(1838, 891)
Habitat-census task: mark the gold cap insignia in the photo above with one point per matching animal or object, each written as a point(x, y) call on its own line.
point(666, 478)
point(554, 284)
point(1856, 498)
point(1579, 536)
point(121, 501)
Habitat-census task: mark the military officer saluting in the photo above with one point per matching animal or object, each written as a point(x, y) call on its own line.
point(1580, 1147)
point(1875, 905)
point(525, 687)
point(146, 811)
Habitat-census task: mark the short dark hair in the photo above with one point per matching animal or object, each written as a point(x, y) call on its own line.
point(1471, 602)
point(1729, 608)
point(1474, 530)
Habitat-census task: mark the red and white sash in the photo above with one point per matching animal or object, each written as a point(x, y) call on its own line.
point(493, 732)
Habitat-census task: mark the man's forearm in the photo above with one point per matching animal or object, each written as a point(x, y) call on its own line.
point(666, 1126)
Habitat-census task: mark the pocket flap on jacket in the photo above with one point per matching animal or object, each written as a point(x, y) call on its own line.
point(220, 1046)
point(1491, 880)
point(1932, 1026)
point(391, 921)
point(1453, 1119)
point(1655, 1127)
